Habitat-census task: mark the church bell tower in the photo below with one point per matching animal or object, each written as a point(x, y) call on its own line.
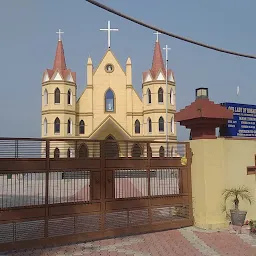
point(155, 100)
point(59, 98)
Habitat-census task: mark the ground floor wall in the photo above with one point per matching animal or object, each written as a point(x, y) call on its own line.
point(220, 164)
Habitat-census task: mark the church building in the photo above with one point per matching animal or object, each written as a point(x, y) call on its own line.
point(109, 107)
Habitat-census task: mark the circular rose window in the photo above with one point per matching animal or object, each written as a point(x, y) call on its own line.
point(109, 68)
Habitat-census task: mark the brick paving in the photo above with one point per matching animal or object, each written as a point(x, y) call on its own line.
point(181, 242)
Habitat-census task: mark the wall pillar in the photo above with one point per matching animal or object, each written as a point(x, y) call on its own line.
point(208, 182)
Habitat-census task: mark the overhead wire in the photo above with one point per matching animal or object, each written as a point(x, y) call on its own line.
point(111, 10)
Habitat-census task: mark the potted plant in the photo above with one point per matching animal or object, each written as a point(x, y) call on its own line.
point(237, 216)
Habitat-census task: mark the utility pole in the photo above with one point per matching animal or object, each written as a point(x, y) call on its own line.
point(166, 103)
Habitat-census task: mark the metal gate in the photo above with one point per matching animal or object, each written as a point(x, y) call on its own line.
point(61, 191)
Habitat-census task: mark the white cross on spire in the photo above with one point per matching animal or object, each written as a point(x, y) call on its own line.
point(109, 29)
point(157, 35)
point(60, 32)
point(166, 52)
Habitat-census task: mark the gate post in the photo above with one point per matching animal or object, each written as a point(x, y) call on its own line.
point(189, 179)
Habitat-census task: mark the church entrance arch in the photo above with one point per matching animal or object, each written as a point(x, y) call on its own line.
point(136, 150)
point(83, 151)
point(111, 147)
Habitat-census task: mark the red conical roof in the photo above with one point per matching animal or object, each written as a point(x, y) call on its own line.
point(59, 61)
point(60, 66)
point(158, 63)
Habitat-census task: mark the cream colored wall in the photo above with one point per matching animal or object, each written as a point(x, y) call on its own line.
point(154, 109)
point(64, 87)
point(216, 165)
point(102, 81)
point(63, 110)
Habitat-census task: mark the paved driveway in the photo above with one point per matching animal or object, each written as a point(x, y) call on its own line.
point(187, 241)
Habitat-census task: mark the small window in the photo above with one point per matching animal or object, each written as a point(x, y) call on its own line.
point(172, 125)
point(109, 68)
point(69, 97)
point(45, 97)
point(161, 151)
point(69, 128)
point(45, 127)
point(137, 126)
point(109, 101)
point(81, 127)
point(149, 96)
point(161, 124)
point(57, 96)
point(149, 125)
point(57, 125)
point(56, 153)
point(160, 95)
point(171, 97)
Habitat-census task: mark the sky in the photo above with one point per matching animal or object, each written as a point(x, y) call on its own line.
point(28, 42)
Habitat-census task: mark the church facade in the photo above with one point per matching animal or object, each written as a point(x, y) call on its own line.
point(109, 106)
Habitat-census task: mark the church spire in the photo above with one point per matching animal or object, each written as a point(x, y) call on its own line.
point(157, 71)
point(59, 61)
point(59, 72)
point(157, 63)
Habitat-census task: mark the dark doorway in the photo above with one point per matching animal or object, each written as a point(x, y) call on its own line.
point(136, 150)
point(111, 147)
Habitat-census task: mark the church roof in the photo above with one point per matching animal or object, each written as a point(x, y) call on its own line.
point(157, 63)
point(203, 109)
point(59, 61)
point(157, 66)
point(59, 67)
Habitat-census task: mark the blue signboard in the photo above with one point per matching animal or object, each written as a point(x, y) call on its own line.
point(243, 123)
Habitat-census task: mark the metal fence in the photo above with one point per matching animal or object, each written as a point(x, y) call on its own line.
point(59, 191)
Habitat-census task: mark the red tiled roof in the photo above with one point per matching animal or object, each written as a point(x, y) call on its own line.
point(59, 61)
point(203, 108)
point(60, 64)
point(157, 63)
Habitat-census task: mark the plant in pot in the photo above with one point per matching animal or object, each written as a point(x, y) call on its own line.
point(237, 217)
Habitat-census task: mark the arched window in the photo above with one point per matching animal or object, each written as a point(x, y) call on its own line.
point(109, 101)
point(45, 97)
point(149, 125)
point(68, 153)
point(171, 97)
point(137, 126)
point(57, 96)
point(69, 128)
point(69, 97)
point(161, 124)
point(161, 151)
point(149, 96)
point(83, 151)
point(172, 125)
point(57, 125)
point(136, 150)
point(160, 95)
point(56, 153)
point(45, 126)
point(81, 127)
